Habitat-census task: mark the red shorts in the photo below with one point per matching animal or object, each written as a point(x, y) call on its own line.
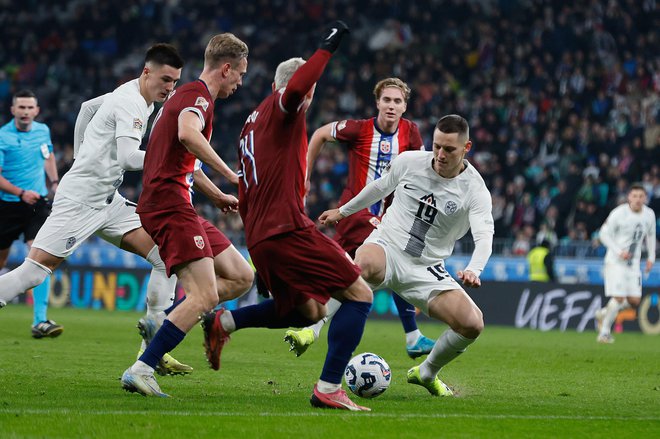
point(353, 230)
point(301, 265)
point(183, 236)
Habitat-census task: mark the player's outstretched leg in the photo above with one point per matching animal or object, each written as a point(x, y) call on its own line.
point(435, 386)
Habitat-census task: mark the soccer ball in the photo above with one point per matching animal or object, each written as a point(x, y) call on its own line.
point(368, 375)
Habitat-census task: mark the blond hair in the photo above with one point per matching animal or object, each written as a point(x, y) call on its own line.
point(285, 71)
point(224, 47)
point(392, 82)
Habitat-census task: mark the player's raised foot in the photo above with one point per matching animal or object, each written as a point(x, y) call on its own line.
point(147, 327)
point(605, 339)
point(599, 315)
point(299, 341)
point(335, 400)
point(47, 329)
point(423, 346)
point(144, 384)
point(215, 337)
point(435, 387)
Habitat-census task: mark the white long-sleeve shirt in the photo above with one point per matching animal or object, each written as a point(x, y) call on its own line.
point(430, 213)
point(625, 230)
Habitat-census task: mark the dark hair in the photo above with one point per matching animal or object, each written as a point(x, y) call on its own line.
point(164, 54)
point(24, 93)
point(453, 123)
point(636, 186)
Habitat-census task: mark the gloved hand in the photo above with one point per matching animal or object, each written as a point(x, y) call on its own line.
point(333, 35)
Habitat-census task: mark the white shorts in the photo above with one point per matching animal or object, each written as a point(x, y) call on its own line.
point(415, 282)
point(622, 280)
point(71, 223)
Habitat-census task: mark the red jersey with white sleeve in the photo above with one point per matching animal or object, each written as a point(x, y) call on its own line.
point(370, 151)
point(273, 158)
point(167, 177)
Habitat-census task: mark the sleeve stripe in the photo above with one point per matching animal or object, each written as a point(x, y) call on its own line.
point(333, 130)
point(197, 112)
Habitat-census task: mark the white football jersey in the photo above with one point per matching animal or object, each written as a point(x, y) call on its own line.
point(95, 175)
point(429, 213)
point(625, 230)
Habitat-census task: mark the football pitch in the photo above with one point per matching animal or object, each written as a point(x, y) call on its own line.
point(511, 383)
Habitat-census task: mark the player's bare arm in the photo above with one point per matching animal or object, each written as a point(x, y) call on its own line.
point(190, 135)
point(225, 202)
point(316, 144)
point(51, 171)
point(27, 196)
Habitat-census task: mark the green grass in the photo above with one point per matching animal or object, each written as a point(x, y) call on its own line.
point(511, 383)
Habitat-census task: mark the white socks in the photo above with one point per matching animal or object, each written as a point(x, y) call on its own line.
point(161, 289)
point(449, 346)
point(333, 305)
point(27, 275)
point(611, 311)
point(227, 322)
point(326, 387)
point(412, 337)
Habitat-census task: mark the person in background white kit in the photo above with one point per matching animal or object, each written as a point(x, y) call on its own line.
point(622, 233)
point(108, 134)
point(438, 196)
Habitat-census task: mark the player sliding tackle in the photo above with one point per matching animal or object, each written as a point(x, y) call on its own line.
point(438, 196)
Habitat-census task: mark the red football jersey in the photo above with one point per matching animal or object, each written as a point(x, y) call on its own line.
point(167, 177)
point(273, 158)
point(370, 151)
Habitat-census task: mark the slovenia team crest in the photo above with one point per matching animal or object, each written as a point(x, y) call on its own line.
point(450, 207)
point(199, 241)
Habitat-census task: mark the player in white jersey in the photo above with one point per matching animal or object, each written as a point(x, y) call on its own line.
point(623, 232)
point(109, 130)
point(438, 196)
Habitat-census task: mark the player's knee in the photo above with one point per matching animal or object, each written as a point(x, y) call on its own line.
point(472, 325)
point(359, 291)
point(244, 279)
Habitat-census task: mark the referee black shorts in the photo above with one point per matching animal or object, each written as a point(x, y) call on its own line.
point(18, 218)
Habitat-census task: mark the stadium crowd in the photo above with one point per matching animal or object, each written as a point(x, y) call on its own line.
point(562, 97)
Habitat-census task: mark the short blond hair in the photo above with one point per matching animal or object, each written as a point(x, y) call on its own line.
point(285, 71)
point(392, 82)
point(224, 47)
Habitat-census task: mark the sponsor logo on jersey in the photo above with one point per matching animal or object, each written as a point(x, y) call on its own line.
point(450, 207)
point(199, 241)
point(201, 102)
point(137, 124)
point(70, 242)
point(385, 146)
point(341, 125)
point(374, 221)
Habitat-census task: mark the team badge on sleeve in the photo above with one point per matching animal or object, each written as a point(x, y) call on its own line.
point(341, 125)
point(137, 124)
point(45, 153)
point(199, 241)
point(201, 102)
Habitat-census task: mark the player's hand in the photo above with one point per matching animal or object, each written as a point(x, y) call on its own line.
point(227, 203)
point(333, 35)
point(233, 178)
point(649, 265)
point(469, 278)
point(331, 216)
point(625, 255)
point(30, 197)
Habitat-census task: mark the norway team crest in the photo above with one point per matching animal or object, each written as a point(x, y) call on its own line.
point(385, 146)
point(450, 207)
point(199, 241)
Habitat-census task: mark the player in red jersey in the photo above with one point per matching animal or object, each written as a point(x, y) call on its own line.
point(208, 266)
point(372, 144)
point(300, 266)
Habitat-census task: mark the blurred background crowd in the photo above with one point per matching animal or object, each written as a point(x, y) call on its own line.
point(562, 97)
